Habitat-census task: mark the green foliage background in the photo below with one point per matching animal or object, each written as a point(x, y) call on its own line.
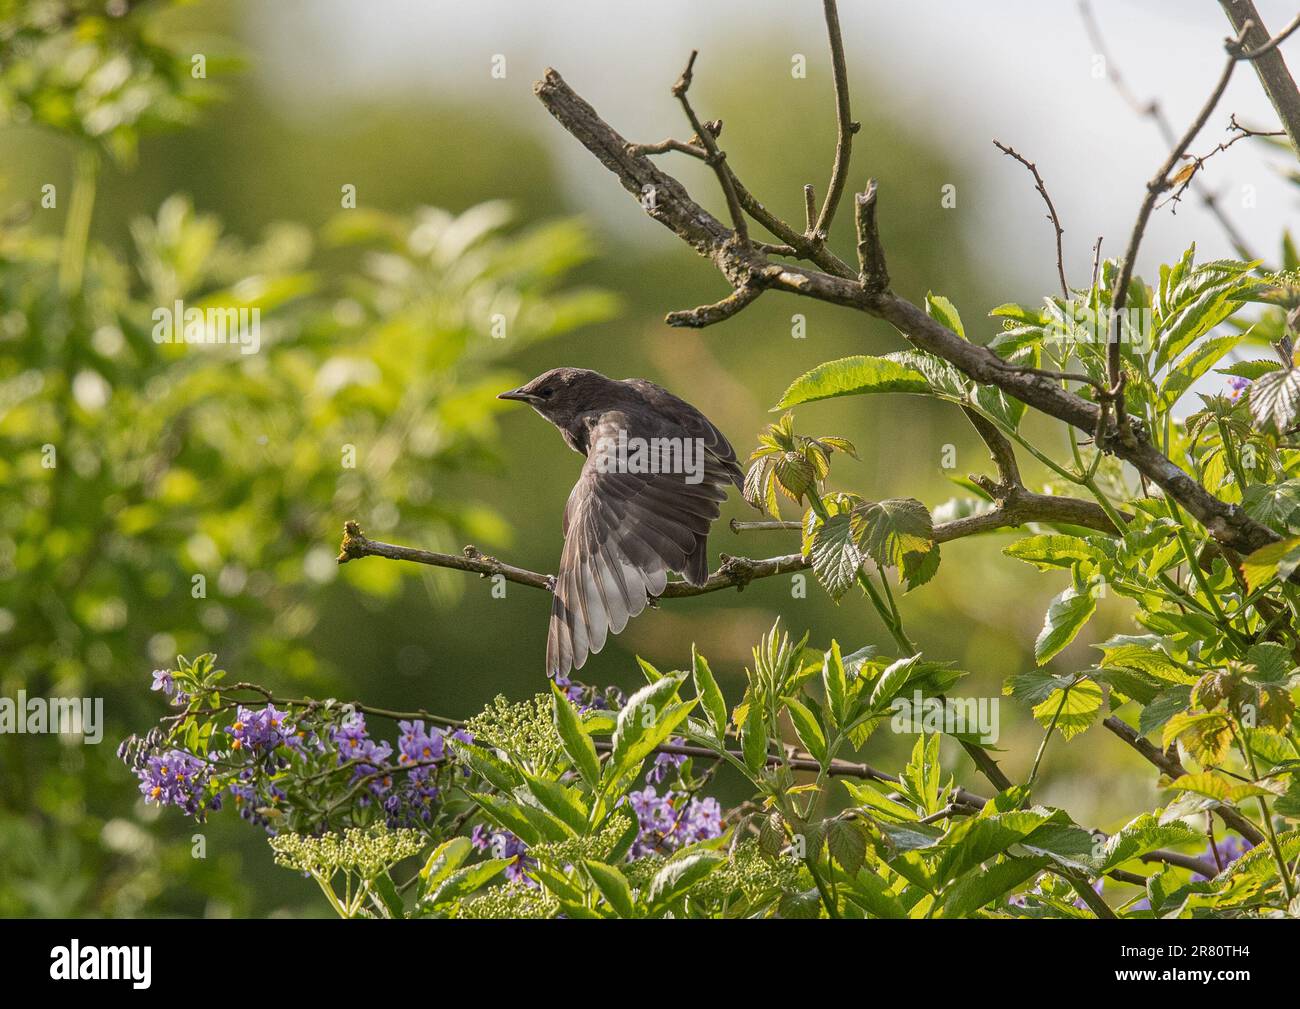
point(175, 462)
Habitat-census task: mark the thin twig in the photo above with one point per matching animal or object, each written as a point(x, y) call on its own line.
point(845, 127)
point(1153, 110)
point(1051, 210)
point(1158, 184)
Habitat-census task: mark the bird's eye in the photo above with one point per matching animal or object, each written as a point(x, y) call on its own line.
point(546, 393)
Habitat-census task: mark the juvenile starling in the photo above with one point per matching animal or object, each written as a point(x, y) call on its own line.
point(656, 473)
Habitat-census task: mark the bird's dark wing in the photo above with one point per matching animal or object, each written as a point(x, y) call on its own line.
point(694, 423)
point(623, 533)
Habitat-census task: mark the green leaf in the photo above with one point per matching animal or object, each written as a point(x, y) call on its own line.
point(463, 882)
point(1169, 702)
point(800, 905)
point(892, 680)
point(753, 739)
point(806, 727)
point(640, 714)
point(1272, 662)
point(1190, 367)
point(679, 875)
point(1213, 786)
point(382, 886)
point(873, 895)
point(976, 889)
point(1067, 614)
point(1278, 560)
point(1141, 835)
point(444, 860)
point(1276, 505)
point(1274, 399)
point(1051, 551)
point(853, 376)
point(1082, 704)
point(942, 311)
point(573, 734)
point(613, 886)
point(711, 700)
point(889, 529)
point(847, 844)
point(835, 556)
point(835, 683)
point(562, 802)
point(1250, 370)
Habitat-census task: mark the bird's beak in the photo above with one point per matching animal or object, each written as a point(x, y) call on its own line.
point(518, 394)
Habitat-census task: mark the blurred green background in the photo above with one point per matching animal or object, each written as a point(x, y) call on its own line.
point(182, 461)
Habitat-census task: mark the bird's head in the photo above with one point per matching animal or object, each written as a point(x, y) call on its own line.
point(561, 394)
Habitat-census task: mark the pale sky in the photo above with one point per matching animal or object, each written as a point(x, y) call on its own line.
point(1020, 70)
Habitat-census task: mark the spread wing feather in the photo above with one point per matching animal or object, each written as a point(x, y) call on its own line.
point(623, 533)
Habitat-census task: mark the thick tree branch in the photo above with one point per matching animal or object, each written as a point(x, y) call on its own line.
point(1263, 53)
point(872, 271)
point(707, 315)
point(675, 209)
point(1172, 767)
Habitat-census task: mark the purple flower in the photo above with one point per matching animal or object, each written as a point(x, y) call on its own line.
point(503, 844)
point(417, 746)
point(1230, 849)
point(666, 763)
point(672, 820)
point(355, 744)
point(164, 681)
point(258, 729)
point(177, 778)
point(1237, 386)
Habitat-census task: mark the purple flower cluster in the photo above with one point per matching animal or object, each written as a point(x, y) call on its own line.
point(1237, 386)
point(672, 820)
point(353, 740)
point(177, 778)
point(503, 844)
point(259, 730)
point(411, 803)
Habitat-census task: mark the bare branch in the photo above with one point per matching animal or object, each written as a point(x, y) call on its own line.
point(708, 140)
point(1170, 765)
point(1158, 184)
point(1051, 210)
point(707, 315)
point(1152, 110)
point(1264, 55)
point(1273, 43)
point(1189, 172)
point(675, 209)
point(845, 127)
point(871, 255)
point(664, 146)
point(734, 572)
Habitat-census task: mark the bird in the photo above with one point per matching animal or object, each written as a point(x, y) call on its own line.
point(655, 476)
